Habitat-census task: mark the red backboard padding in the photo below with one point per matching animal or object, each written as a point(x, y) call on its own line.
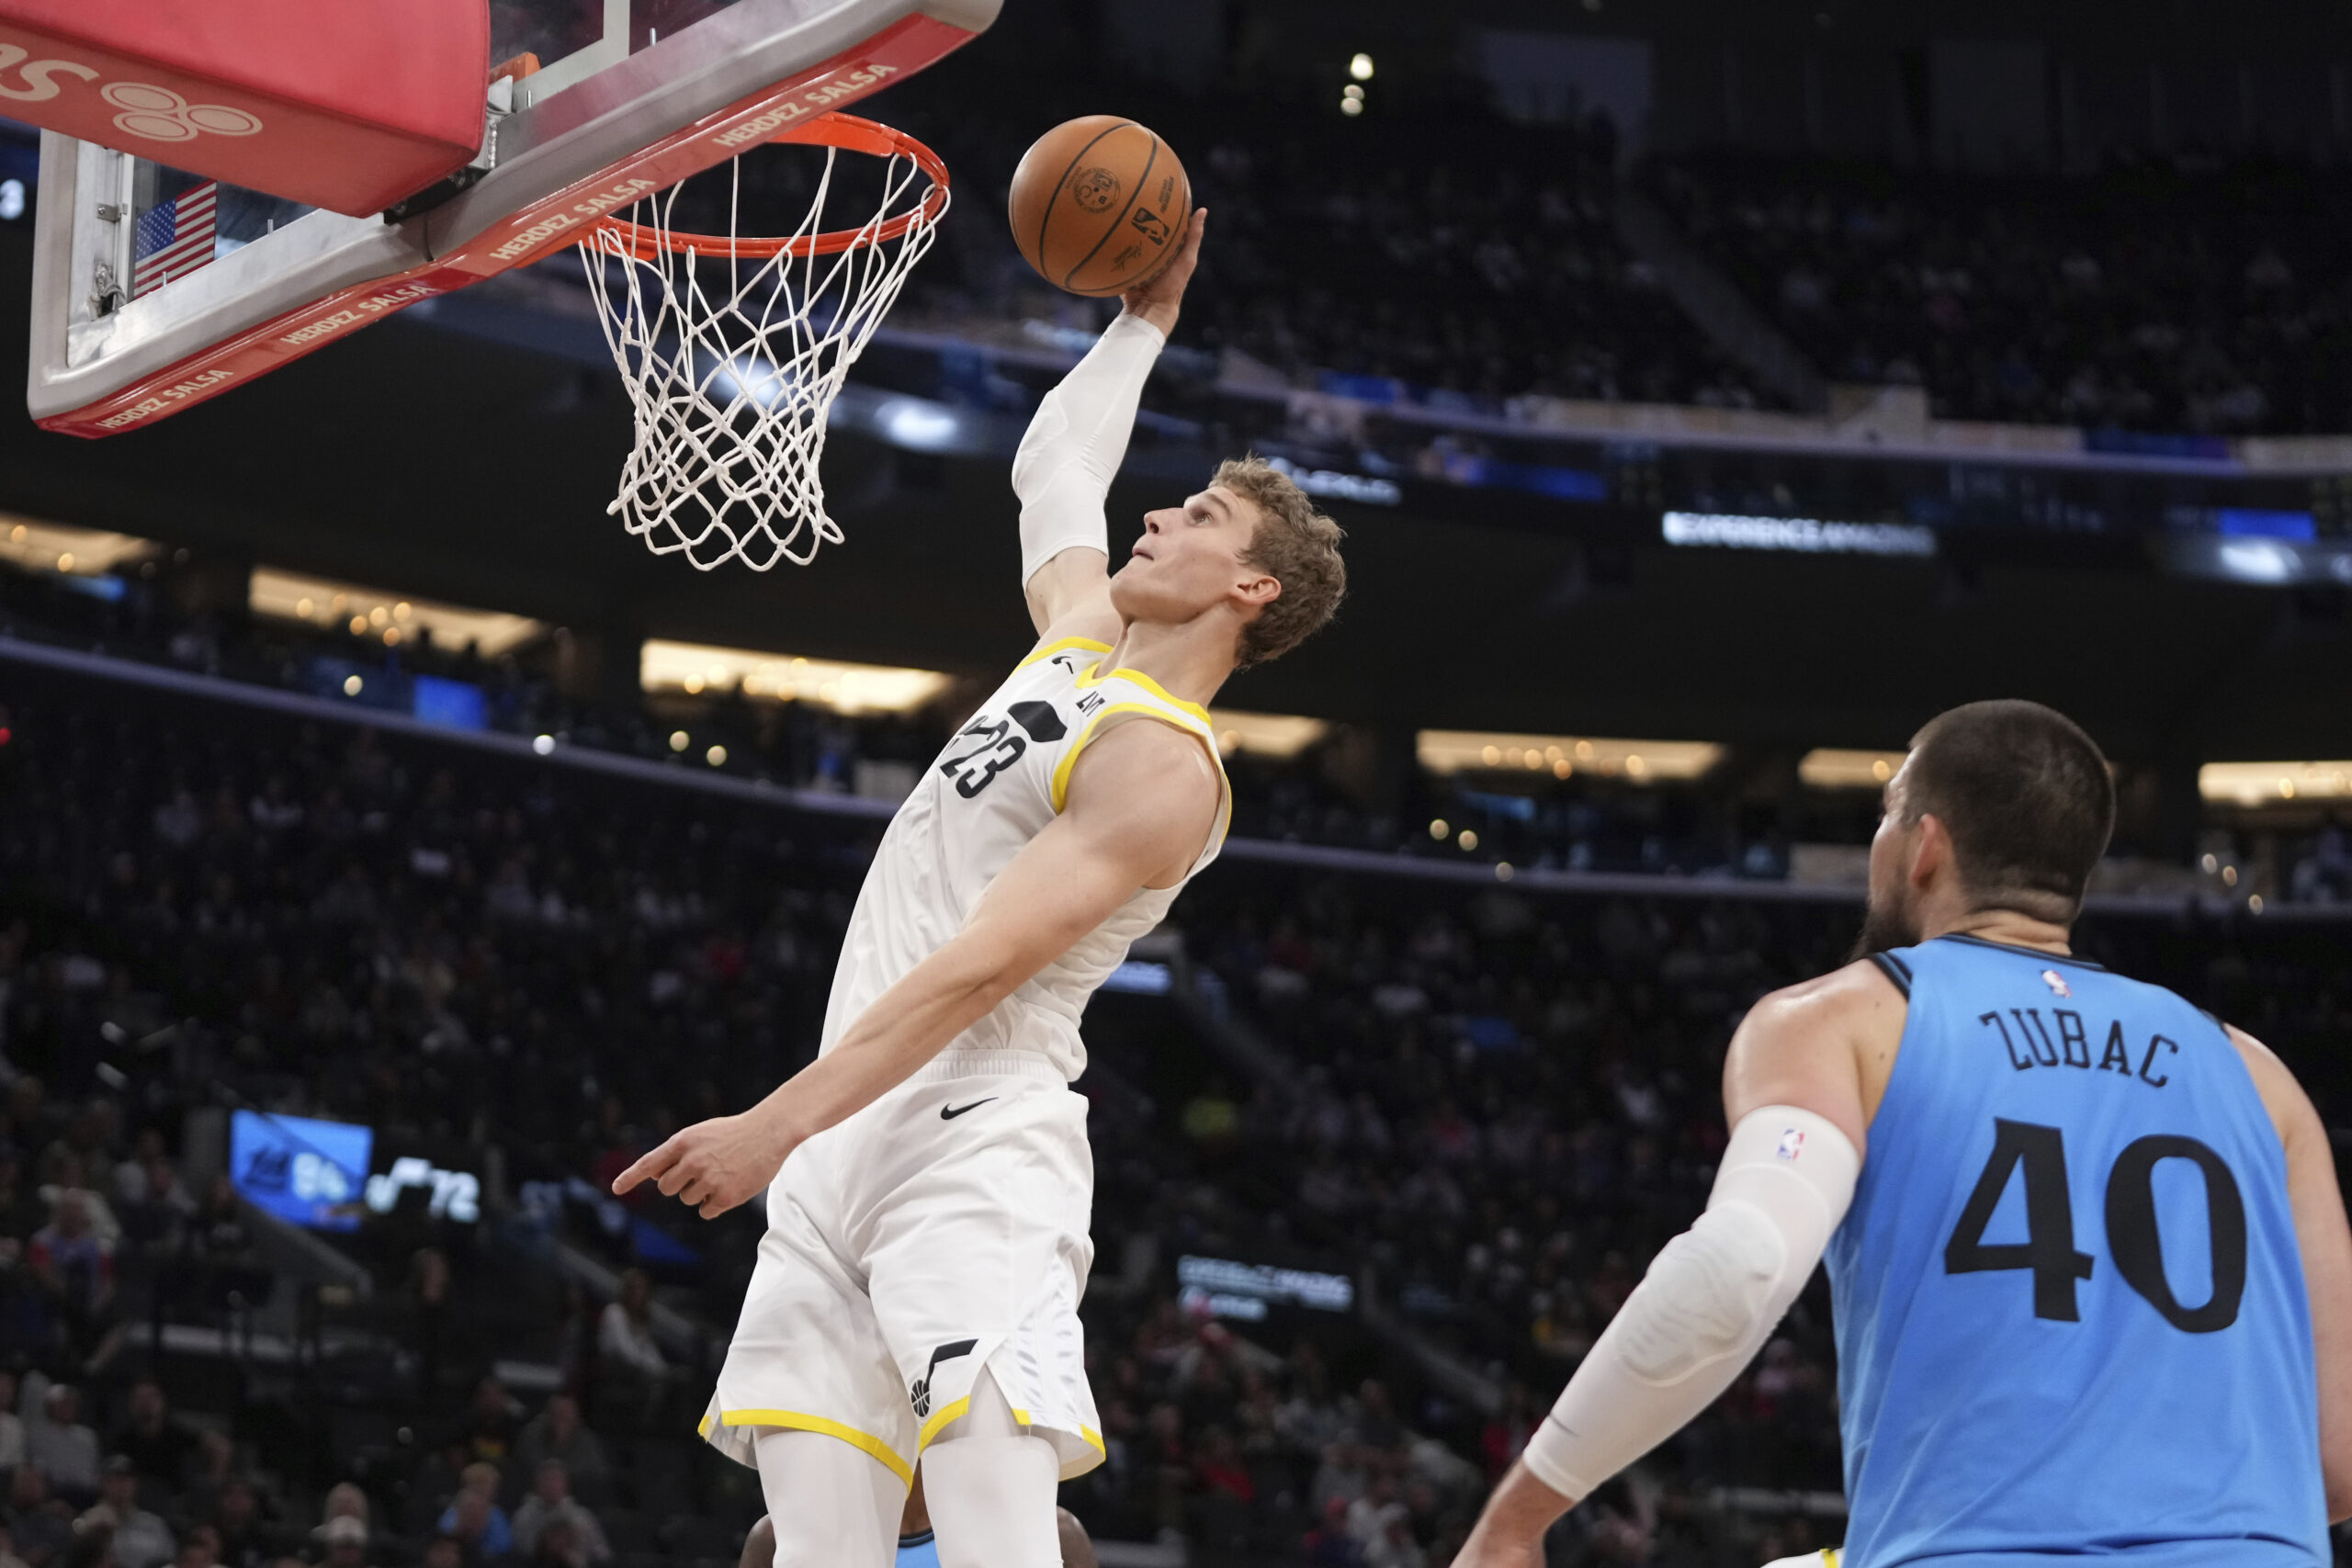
point(349, 105)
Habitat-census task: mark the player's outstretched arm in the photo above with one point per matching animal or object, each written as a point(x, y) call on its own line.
point(1793, 1093)
point(1073, 450)
point(2324, 1239)
point(1142, 803)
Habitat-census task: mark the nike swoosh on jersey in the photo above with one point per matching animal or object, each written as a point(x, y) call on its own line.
point(949, 1113)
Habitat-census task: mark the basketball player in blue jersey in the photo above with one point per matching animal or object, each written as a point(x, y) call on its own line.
point(2093, 1283)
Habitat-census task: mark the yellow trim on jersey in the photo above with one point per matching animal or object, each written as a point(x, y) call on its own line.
point(1088, 677)
point(1093, 1439)
point(795, 1421)
point(940, 1419)
point(1055, 646)
point(1085, 736)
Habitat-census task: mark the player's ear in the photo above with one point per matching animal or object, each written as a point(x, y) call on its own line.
point(1259, 590)
point(1933, 850)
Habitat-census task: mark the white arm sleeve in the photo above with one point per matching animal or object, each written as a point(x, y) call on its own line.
point(1076, 442)
point(1711, 1297)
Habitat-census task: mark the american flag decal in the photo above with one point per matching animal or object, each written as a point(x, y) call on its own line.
point(174, 238)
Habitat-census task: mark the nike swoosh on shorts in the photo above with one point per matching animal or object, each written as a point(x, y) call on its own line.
point(949, 1113)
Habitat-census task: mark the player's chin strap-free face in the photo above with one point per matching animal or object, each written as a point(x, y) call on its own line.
point(1711, 1298)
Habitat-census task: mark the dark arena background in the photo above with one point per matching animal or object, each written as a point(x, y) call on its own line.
point(1713, 390)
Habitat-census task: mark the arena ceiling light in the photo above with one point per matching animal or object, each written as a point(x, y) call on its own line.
point(385, 615)
point(1446, 751)
point(698, 668)
point(1277, 735)
point(1827, 767)
point(52, 546)
point(2274, 784)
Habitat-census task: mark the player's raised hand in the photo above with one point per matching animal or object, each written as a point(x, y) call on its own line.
point(1159, 300)
point(710, 1167)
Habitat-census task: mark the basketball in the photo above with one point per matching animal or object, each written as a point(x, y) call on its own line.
point(1099, 205)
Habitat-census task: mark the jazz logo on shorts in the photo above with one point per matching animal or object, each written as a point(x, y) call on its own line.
point(1792, 1144)
point(919, 1391)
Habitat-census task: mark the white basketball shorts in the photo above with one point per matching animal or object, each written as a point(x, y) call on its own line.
point(939, 1231)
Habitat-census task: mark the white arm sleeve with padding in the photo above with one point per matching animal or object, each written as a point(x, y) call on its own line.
point(1076, 442)
point(1711, 1297)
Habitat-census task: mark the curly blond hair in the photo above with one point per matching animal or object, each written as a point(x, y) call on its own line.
point(1294, 542)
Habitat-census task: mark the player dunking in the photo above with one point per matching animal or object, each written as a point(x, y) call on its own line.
point(2093, 1285)
point(927, 1177)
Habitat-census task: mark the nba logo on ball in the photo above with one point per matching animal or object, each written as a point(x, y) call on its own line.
point(1792, 1144)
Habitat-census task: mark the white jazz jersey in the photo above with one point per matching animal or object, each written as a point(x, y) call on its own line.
point(942, 1231)
point(997, 785)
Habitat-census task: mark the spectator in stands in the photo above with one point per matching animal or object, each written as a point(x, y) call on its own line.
point(8, 1556)
point(474, 1518)
point(38, 1525)
point(247, 1540)
point(558, 1546)
point(1506, 1435)
point(1330, 1544)
point(552, 1506)
point(141, 1540)
point(215, 1465)
point(344, 1544)
point(60, 1446)
point(429, 1328)
point(22, 1212)
point(1218, 1467)
point(12, 1426)
point(489, 1422)
point(199, 1547)
point(633, 1374)
point(75, 1268)
point(444, 1550)
point(559, 1433)
point(155, 1203)
point(70, 1178)
point(158, 1446)
point(346, 1500)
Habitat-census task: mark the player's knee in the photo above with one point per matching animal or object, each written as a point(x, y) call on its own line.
point(1708, 1292)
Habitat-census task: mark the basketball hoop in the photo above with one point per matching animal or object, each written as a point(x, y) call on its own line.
point(730, 380)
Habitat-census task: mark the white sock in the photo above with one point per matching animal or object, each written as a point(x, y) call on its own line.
point(991, 1488)
point(832, 1505)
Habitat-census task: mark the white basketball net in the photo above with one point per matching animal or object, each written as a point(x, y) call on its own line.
point(732, 365)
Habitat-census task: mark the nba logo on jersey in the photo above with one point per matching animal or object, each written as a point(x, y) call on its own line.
point(2057, 983)
point(1792, 1144)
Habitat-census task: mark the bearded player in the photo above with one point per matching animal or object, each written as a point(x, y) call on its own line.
point(928, 1179)
point(2093, 1285)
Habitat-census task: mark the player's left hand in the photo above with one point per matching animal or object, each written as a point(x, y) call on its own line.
point(710, 1167)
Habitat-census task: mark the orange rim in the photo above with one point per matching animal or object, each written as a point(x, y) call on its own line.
point(831, 129)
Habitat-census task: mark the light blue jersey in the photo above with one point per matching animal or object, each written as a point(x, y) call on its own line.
point(918, 1550)
point(2070, 1308)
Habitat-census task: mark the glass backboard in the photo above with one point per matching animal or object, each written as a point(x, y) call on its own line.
point(155, 289)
